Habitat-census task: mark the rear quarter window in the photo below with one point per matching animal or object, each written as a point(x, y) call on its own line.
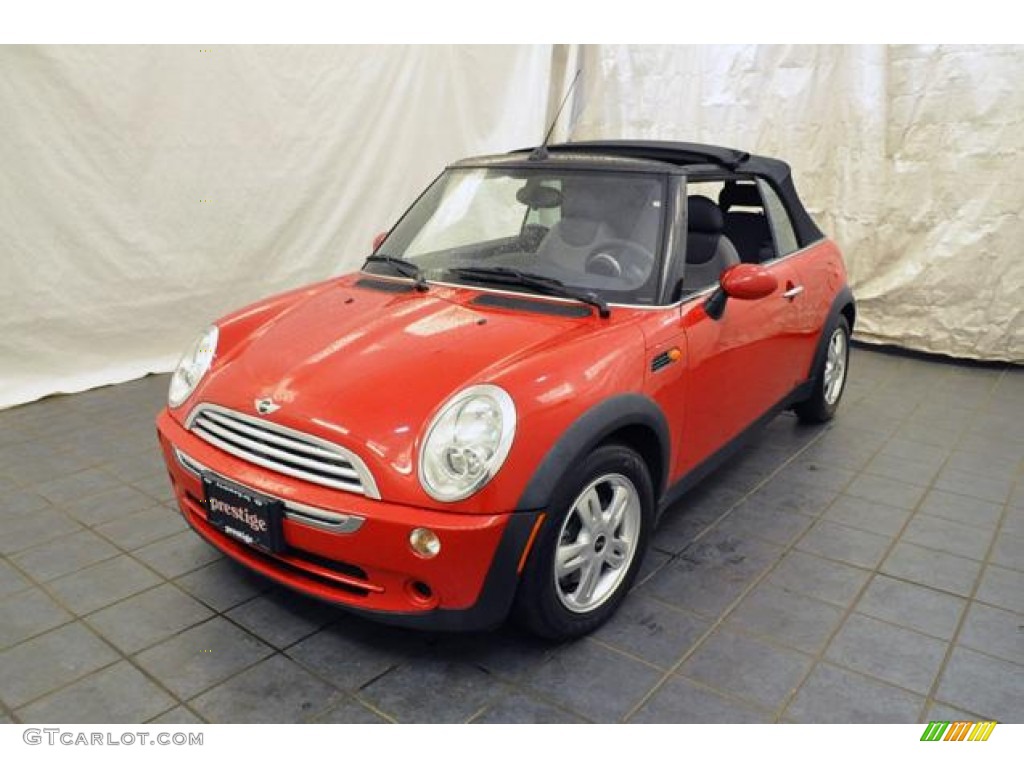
point(778, 218)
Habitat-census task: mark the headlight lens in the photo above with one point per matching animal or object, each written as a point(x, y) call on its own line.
point(467, 442)
point(192, 367)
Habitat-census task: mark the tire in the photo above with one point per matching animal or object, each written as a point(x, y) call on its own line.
point(601, 554)
point(821, 406)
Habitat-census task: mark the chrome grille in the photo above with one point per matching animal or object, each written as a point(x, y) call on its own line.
point(281, 449)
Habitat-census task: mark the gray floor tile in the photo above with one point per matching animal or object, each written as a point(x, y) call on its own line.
point(65, 555)
point(884, 490)
point(991, 687)
point(517, 708)
point(281, 617)
point(178, 716)
point(712, 573)
point(510, 653)
point(274, 691)
point(840, 542)
point(117, 694)
point(143, 527)
point(944, 713)
point(910, 605)
point(947, 536)
point(778, 526)
point(223, 584)
point(896, 655)
point(430, 691)
point(683, 701)
point(102, 584)
point(969, 484)
point(824, 579)
point(747, 667)
point(652, 631)
point(932, 568)
point(350, 711)
point(111, 504)
point(76, 488)
point(178, 554)
point(1009, 551)
point(148, 618)
point(1013, 522)
point(867, 515)
point(50, 661)
point(594, 681)
point(26, 531)
point(21, 504)
point(995, 632)
point(10, 580)
point(834, 695)
point(961, 509)
point(810, 472)
point(917, 471)
point(26, 614)
point(790, 619)
point(1002, 587)
point(349, 655)
point(202, 656)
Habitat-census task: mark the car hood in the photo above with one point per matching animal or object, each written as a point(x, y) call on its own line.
point(367, 368)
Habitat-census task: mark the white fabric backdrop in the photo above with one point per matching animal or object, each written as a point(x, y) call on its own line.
point(147, 190)
point(911, 157)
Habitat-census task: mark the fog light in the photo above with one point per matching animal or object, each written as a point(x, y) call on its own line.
point(424, 542)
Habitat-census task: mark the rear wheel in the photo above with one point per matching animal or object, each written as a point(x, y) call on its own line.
point(830, 378)
point(590, 546)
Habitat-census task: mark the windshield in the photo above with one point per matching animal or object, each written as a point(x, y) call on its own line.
point(597, 232)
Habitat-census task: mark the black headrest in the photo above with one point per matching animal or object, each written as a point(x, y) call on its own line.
point(745, 195)
point(704, 215)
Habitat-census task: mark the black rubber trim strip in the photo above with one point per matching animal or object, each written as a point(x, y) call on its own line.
point(586, 433)
point(528, 305)
point(386, 286)
point(727, 451)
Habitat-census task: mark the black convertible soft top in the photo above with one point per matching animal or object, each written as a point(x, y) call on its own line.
point(678, 153)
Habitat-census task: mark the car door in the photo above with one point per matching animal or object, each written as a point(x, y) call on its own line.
point(736, 366)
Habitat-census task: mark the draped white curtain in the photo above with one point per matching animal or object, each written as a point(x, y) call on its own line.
point(911, 157)
point(147, 190)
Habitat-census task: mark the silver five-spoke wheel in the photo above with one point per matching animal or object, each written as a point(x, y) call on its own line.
point(597, 543)
point(835, 366)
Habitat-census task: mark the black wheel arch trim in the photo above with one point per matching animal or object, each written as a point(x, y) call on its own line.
point(842, 300)
point(587, 432)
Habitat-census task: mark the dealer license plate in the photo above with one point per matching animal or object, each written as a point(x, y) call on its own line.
point(243, 514)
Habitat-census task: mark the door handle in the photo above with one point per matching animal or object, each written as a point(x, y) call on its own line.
point(793, 292)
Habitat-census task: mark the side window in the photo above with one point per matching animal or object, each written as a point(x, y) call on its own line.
point(782, 227)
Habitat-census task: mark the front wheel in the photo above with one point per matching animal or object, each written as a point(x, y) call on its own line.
point(590, 546)
point(830, 378)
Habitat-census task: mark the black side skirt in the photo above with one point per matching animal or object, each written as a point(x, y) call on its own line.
point(730, 449)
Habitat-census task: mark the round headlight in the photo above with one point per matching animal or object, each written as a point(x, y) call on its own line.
point(467, 442)
point(192, 367)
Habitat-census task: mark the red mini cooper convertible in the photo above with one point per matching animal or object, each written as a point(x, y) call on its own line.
point(543, 354)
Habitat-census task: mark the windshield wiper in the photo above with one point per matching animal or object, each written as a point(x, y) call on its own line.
point(404, 267)
point(549, 286)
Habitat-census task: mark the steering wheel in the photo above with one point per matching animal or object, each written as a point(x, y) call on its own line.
point(620, 258)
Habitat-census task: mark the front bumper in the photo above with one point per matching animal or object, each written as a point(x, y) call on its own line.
point(470, 584)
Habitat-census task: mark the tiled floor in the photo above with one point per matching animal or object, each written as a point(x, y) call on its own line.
point(872, 570)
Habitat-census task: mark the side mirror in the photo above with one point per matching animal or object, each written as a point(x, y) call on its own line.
point(745, 282)
point(378, 240)
point(748, 282)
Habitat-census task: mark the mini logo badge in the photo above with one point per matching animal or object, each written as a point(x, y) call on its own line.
point(266, 405)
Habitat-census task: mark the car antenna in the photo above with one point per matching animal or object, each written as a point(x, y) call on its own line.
point(541, 152)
